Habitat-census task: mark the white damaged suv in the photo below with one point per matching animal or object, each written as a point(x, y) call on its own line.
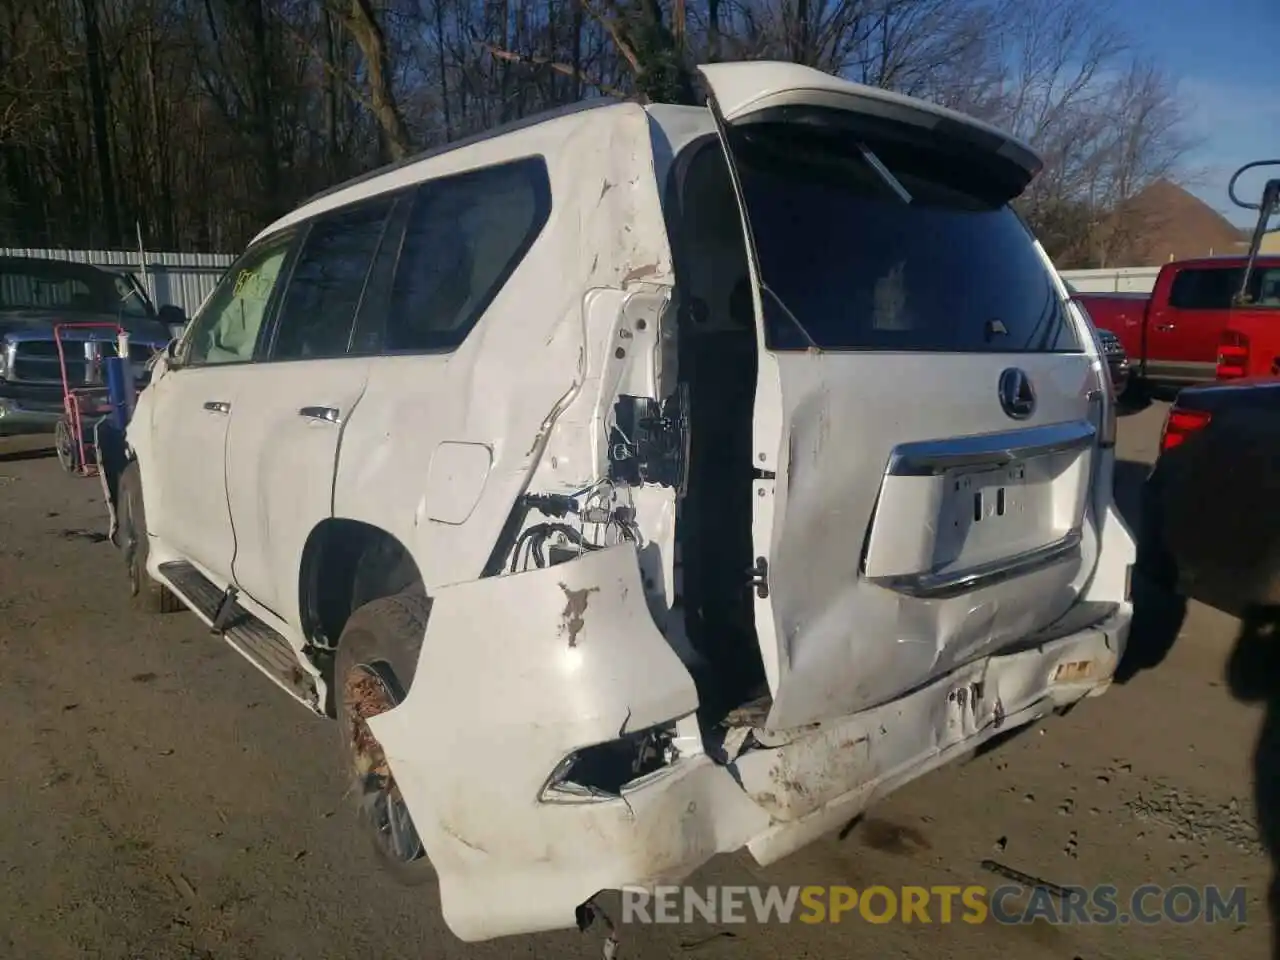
point(635, 484)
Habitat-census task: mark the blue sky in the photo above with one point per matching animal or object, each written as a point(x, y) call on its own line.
point(1226, 55)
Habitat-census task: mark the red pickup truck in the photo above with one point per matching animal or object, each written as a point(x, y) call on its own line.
point(1173, 335)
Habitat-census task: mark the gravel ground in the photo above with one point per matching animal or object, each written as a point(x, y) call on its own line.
point(162, 800)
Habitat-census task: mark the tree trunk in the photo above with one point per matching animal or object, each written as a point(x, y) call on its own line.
point(264, 112)
point(362, 22)
point(443, 67)
point(162, 171)
point(577, 50)
point(713, 30)
point(330, 95)
point(101, 128)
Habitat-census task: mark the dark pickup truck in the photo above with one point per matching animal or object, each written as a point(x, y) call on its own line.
point(36, 294)
point(1172, 336)
point(1210, 527)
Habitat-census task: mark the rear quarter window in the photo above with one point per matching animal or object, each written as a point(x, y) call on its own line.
point(465, 236)
point(860, 269)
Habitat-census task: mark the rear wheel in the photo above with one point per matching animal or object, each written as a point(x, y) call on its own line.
point(64, 444)
point(145, 593)
point(373, 671)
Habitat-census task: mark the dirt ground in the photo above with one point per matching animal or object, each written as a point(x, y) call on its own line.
point(160, 799)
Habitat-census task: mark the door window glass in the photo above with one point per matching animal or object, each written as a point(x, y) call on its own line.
point(226, 330)
point(319, 305)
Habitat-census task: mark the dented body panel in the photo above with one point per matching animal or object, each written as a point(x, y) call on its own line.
point(537, 356)
point(842, 475)
point(587, 665)
point(921, 569)
point(590, 665)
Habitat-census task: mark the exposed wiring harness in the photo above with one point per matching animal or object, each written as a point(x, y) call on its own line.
point(598, 511)
point(532, 539)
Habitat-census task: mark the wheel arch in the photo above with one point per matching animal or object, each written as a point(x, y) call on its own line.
point(346, 564)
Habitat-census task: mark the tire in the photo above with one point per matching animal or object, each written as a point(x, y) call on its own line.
point(373, 671)
point(64, 444)
point(1134, 395)
point(145, 593)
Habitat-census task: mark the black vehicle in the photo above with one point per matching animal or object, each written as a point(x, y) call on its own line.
point(1210, 525)
point(36, 294)
point(1117, 361)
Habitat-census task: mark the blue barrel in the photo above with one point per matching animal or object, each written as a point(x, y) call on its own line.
point(119, 377)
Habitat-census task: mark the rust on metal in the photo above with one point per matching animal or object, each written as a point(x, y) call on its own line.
point(575, 608)
point(1073, 672)
point(366, 696)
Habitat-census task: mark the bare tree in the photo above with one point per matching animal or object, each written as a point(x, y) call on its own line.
point(1145, 143)
point(361, 20)
point(203, 119)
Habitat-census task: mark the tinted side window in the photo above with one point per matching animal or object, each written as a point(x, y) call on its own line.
point(950, 268)
point(465, 237)
point(227, 329)
point(319, 305)
point(1206, 289)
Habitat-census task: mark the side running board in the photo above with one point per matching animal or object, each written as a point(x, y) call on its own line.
point(253, 639)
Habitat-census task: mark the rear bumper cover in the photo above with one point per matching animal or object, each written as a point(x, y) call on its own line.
point(519, 671)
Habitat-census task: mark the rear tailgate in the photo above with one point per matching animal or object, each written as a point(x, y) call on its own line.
point(926, 403)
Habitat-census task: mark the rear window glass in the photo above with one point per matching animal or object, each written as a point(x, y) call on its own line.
point(845, 257)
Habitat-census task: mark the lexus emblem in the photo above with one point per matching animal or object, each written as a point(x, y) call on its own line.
point(1017, 396)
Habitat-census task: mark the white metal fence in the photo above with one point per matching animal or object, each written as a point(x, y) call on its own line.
point(1113, 279)
point(183, 279)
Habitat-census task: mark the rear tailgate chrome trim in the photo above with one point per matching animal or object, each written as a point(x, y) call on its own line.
point(939, 585)
point(929, 458)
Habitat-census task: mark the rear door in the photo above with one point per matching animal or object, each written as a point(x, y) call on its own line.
point(288, 421)
point(926, 408)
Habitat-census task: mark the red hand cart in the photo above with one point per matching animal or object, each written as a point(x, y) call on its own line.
point(84, 398)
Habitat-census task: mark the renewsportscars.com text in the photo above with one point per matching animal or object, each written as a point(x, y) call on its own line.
point(1007, 904)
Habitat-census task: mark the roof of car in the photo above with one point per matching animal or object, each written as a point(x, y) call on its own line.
point(523, 123)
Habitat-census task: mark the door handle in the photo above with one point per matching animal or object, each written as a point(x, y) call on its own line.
point(1164, 327)
point(327, 414)
point(217, 406)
